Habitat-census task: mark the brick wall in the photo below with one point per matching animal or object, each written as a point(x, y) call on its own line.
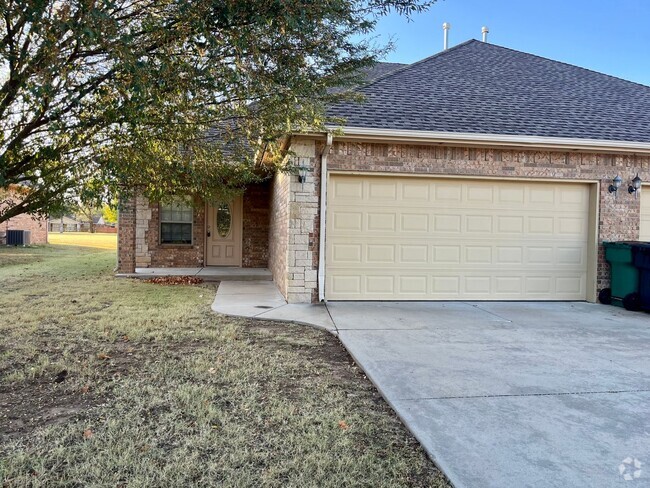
point(279, 230)
point(618, 219)
point(37, 226)
point(126, 236)
point(149, 251)
point(255, 228)
point(139, 234)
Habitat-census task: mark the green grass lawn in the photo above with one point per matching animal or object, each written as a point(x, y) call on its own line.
point(108, 382)
point(83, 239)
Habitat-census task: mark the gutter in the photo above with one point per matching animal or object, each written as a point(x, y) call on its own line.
point(498, 140)
point(323, 213)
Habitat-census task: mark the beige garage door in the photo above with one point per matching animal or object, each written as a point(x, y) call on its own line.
point(644, 230)
point(418, 238)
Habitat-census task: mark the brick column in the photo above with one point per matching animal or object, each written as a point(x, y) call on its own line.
point(126, 236)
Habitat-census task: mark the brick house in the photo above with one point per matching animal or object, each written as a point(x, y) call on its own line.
point(480, 173)
point(37, 226)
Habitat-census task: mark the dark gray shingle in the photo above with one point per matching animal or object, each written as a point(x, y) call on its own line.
point(482, 88)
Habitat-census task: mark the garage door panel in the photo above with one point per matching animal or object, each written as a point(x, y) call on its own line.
point(478, 254)
point(378, 222)
point(380, 254)
point(446, 192)
point(510, 224)
point(382, 190)
point(542, 197)
point(480, 194)
point(448, 286)
point(510, 195)
point(414, 222)
point(347, 221)
point(447, 223)
point(539, 285)
point(471, 254)
point(446, 254)
point(348, 190)
point(418, 253)
point(412, 284)
point(478, 223)
point(414, 191)
point(429, 238)
point(382, 284)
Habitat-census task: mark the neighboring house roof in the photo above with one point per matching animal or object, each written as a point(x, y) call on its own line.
point(482, 88)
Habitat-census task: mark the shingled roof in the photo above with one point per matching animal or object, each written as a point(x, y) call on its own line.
point(482, 88)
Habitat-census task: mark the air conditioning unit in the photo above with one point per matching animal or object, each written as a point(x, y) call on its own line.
point(18, 237)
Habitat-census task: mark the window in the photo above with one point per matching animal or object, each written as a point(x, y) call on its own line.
point(224, 220)
point(176, 222)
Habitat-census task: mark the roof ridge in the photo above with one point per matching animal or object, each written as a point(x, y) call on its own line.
point(567, 64)
point(407, 66)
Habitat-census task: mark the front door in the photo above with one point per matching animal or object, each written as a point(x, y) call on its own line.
point(224, 233)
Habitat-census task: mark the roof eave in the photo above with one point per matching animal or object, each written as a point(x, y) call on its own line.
point(490, 140)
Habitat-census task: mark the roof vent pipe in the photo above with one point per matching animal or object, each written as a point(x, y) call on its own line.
point(485, 31)
point(445, 27)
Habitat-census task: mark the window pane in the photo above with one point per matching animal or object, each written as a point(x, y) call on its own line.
point(187, 233)
point(165, 233)
point(224, 220)
point(175, 233)
point(177, 211)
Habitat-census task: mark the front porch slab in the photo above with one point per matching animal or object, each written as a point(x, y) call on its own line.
point(208, 273)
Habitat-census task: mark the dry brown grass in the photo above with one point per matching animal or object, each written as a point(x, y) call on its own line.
point(159, 391)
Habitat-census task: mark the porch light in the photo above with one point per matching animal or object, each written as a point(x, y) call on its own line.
point(302, 174)
point(616, 184)
point(636, 184)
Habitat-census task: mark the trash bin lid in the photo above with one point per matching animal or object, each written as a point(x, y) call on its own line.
point(619, 244)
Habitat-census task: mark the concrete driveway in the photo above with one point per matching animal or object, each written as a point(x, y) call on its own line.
point(513, 394)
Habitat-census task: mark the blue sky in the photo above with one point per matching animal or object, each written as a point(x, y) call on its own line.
point(610, 36)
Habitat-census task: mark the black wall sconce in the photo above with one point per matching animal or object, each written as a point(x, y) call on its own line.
point(616, 184)
point(635, 186)
point(302, 174)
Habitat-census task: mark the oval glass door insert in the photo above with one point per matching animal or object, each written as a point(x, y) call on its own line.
point(224, 220)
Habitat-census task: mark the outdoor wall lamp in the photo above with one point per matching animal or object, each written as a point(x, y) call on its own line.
point(302, 174)
point(616, 184)
point(636, 184)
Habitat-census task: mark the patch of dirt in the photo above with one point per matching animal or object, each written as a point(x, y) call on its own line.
point(318, 347)
point(26, 406)
point(175, 280)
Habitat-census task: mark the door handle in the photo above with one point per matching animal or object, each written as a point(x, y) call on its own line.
point(208, 231)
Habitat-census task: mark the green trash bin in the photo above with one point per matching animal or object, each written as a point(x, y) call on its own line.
point(624, 276)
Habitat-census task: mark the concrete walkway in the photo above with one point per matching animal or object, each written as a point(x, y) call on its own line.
point(263, 300)
point(499, 394)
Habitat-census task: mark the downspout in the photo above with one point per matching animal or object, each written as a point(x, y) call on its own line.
point(323, 212)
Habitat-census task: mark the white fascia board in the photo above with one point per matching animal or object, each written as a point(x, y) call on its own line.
point(473, 139)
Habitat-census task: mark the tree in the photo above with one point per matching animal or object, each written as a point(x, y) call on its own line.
point(109, 212)
point(99, 96)
point(87, 213)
